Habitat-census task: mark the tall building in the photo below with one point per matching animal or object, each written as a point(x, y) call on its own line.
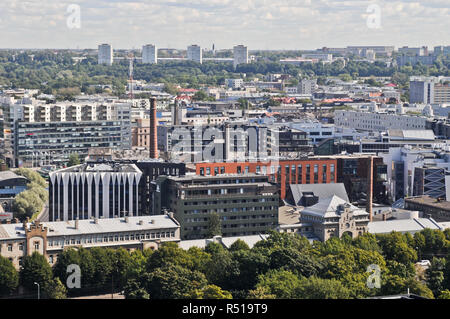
point(149, 54)
point(421, 90)
point(50, 132)
point(105, 54)
point(240, 55)
point(246, 204)
point(194, 53)
point(99, 190)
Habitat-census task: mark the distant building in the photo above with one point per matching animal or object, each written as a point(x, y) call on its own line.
point(11, 185)
point(105, 54)
point(234, 83)
point(194, 53)
point(240, 55)
point(149, 54)
point(421, 90)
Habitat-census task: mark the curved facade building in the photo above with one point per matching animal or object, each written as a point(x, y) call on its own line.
point(103, 190)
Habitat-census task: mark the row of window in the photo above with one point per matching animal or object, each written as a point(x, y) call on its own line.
point(110, 238)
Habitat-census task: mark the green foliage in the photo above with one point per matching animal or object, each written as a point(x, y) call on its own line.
point(395, 247)
point(211, 292)
point(239, 245)
point(55, 289)
point(172, 282)
point(35, 268)
point(26, 204)
point(9, 278)
point(73, 160)
point(214, 225)
point(279, 283)
point(32, 176)
point(435, 275)
point(318, 288)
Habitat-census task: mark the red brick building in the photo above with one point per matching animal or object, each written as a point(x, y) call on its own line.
point(283, 172)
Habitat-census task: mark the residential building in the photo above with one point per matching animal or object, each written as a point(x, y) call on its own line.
point(105, 54)
point(240, 53)
point(194, 53)
point(149, 54)
point(421, 90)
point(246, 204)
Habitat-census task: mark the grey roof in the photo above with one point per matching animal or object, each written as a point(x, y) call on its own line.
point(5, 175)
point(88, 226)
point(320, 190)
point(412, 134)
point(402, 225)
point(101, 167)
point(328, 208)
point(225, 241)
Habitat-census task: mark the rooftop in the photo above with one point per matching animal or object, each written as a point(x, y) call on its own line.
point(429, 201)
point(109, 225)
point(5, 175)
point(402, 225)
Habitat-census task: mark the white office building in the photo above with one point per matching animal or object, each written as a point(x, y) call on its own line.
point(105, 54)
point(149, 54)
point(378, 121)
point(240, 55)
point(194, 53)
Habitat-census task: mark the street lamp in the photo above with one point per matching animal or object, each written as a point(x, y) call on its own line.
point(39, 290)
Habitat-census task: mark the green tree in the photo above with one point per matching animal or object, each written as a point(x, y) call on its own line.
point(172, 282)
point(32, 176)
point(211, 292)
point(318, 288)
point(280, 283)
point(55, 289)
point(395, 247)
point(445, 294)
point(35, 268)
point(214, 225)
point(435, 275)
point(239, 245)
point(26, 204)
point(73, 160)
point(9, 278)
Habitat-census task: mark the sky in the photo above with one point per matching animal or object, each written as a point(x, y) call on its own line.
point(259, 24)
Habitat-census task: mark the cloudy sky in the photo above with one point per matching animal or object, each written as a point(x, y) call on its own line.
point(260, 24)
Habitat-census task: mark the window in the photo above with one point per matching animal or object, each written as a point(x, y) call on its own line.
point(9, 247)
point(36, 245)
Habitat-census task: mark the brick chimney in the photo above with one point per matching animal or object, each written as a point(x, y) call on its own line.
point(370, 188)
point(153, 129)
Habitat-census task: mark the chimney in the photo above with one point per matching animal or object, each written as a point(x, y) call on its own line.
point(127, 220)
point(95, 220)
point(153, 129)
point(76, 223)
point(370, 188)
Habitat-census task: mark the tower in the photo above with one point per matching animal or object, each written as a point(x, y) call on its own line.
point(153, 129)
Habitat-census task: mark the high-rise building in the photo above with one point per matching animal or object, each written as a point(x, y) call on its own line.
point(149, 54)
point(105, 54)
point(240, 55)
point(194, 53)
point(421, 90)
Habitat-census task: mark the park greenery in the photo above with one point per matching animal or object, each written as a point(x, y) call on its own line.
point(30, 202)
point(282, 266)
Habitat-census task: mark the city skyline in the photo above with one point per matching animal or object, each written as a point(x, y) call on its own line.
point(259, 24)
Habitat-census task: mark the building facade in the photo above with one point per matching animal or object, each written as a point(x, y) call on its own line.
point(149, 54)
point(105, 54)
point(240, 53)
point(52, 238)
point(246, 205)
point(194, 53)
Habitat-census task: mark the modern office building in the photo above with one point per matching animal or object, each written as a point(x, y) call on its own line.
point(246, 204)
point(149, 54)
point(282, 173)
point(105, 54)
point(240, 55)
point(52, 238)
point(368, 121)
point(94, 190)
point(194, 53)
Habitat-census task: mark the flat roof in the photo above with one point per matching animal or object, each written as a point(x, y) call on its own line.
point(88, 226)
point(429, 201)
